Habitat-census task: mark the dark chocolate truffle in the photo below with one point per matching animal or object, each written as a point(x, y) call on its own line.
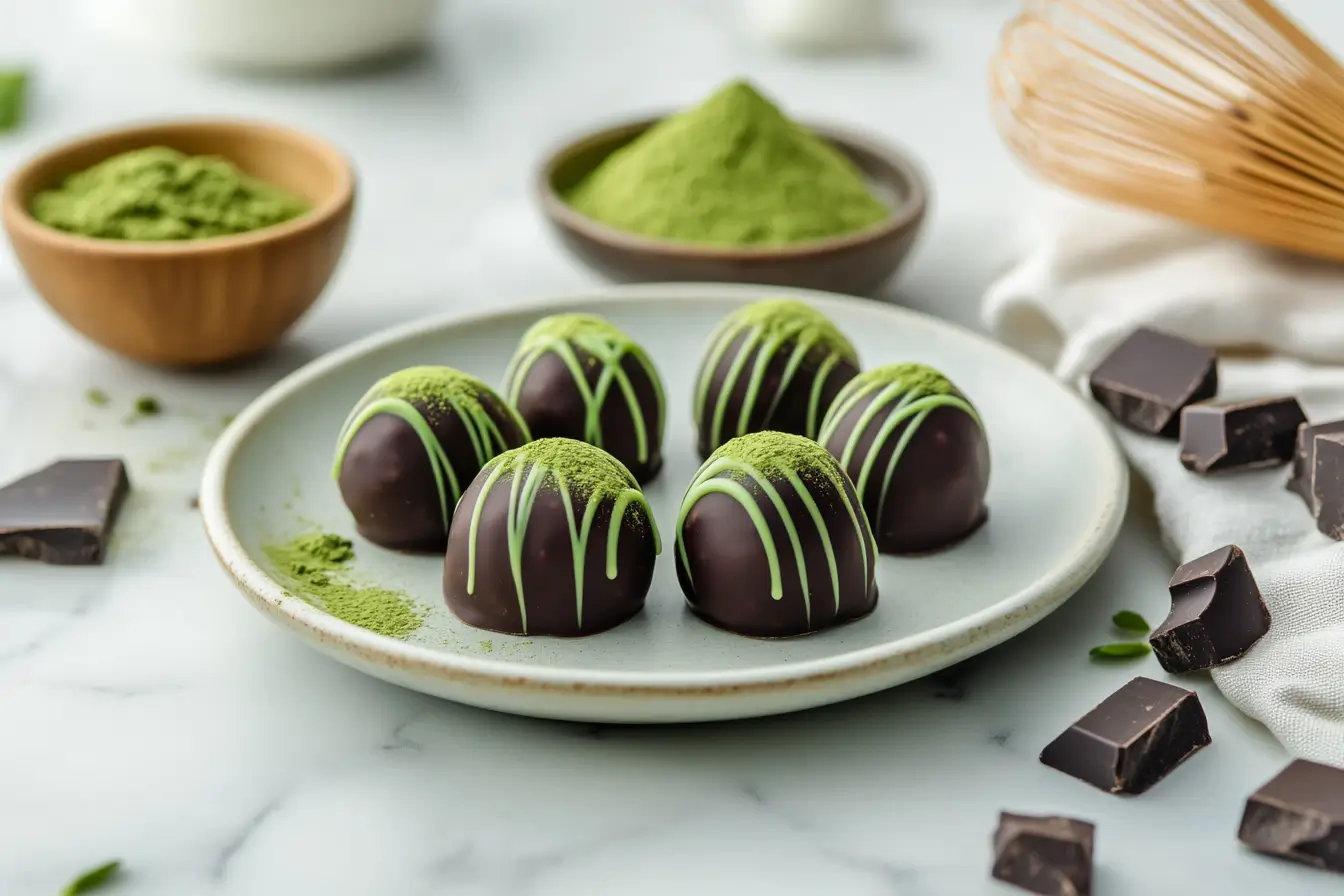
point(772, 540)
point(917, 452)
point(773, 365)
point(409, 448)
point(553, 538)
point(575, 376)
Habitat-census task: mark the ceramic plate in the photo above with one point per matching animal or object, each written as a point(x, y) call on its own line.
point(1056, 500)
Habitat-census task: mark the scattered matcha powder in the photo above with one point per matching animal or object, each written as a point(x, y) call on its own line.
point(93, 879)
point(13, 98)
point(148, 406)
point(98, 398)
point(158, 193)
point(733, 171)
point(315, 563)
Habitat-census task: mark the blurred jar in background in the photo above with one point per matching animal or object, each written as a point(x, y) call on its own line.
point(819, 26)
point(272, 34)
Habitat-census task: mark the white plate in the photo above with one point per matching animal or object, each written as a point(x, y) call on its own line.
point(1056, 500)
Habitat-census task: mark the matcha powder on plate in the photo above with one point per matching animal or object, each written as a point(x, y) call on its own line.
point(315, 564)
point(159, 194)
point(733, 172)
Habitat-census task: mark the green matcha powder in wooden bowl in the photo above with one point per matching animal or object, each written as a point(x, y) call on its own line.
point(159, 194)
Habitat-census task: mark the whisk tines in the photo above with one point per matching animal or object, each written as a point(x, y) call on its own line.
point(1223, 113)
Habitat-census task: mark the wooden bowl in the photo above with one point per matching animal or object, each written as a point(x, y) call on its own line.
point(198, 301)
point(858, 263)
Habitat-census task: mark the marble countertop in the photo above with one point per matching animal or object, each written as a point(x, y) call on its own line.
point(147, 714)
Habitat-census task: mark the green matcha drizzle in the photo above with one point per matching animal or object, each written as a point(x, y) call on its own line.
point(559, 334)
point(768, 326)
point(440, 388)
point(909, 392)
point(576, 470)
point(728, 468)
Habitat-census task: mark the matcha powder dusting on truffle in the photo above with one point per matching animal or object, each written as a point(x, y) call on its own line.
point(315, 564)
point(733, 171)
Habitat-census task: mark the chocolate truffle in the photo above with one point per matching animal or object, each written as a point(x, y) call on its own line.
point(411, 445)
point(773, 365)
point(553, 538)
point(916, 449)
point(575, 376)
point(772, 540)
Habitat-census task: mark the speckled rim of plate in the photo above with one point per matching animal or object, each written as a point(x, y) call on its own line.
point(955, 640)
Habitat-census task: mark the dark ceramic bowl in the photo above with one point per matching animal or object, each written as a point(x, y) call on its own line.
point(858, 263)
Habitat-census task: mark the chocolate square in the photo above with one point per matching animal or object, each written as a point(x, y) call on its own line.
point(1050, 855)
point(63, 513)
point(1146, 380)
point(1133, 739)
point(1304, 459)
point(1217, 613)
point(1299, 815)
point(1216, 438)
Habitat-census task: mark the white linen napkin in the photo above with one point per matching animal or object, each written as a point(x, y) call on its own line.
point(1092, 276)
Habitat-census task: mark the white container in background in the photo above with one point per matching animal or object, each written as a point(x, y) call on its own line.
point(818, 25)
point(277, 34)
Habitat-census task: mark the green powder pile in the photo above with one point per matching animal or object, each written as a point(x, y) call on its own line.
point(13, 96)
point(733, 171)
point(159, 194)
point(589, 472)
point(315, 563)
point(773, 454)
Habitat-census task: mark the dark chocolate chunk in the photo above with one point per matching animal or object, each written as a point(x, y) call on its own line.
point(1146, 380)
point(1050, 855)
point(63, 513)
point(1299, 815)
point(1304, 458)
point(1327, 484)
point(1133, 739)
point(1217, 613)
point(1241, 436)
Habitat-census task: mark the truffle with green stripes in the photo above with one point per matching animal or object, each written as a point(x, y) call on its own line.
point(774, 365)
point(772, 540)
point(553, 538)
point(412, 445)
point(916, 449)
point(577, 376)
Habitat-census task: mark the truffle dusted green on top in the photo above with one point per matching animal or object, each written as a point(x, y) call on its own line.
point(910, 391)
point(601, 363)
point(760, 464)
point(916, 450)
point(734, 171)
point(427, 399)
point(779, 362)
point(585, 478)
point(158, 194)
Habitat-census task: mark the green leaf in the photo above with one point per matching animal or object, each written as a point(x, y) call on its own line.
point(1125, 650)
point(1129, 621)
point(13, 89)
point(94, 879)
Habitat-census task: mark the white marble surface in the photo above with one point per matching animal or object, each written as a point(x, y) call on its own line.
point(147, 713)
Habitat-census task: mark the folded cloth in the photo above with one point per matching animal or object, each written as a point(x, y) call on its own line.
point(1093, 275)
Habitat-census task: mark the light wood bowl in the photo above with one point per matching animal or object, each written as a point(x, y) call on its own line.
point(191, 302)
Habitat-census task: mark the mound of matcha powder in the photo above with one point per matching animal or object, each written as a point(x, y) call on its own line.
point(734, 171)
point(315, 563)
point(158, 194)
point(589, 472)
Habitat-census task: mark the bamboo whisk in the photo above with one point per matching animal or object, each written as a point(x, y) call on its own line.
point(1221, 113)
